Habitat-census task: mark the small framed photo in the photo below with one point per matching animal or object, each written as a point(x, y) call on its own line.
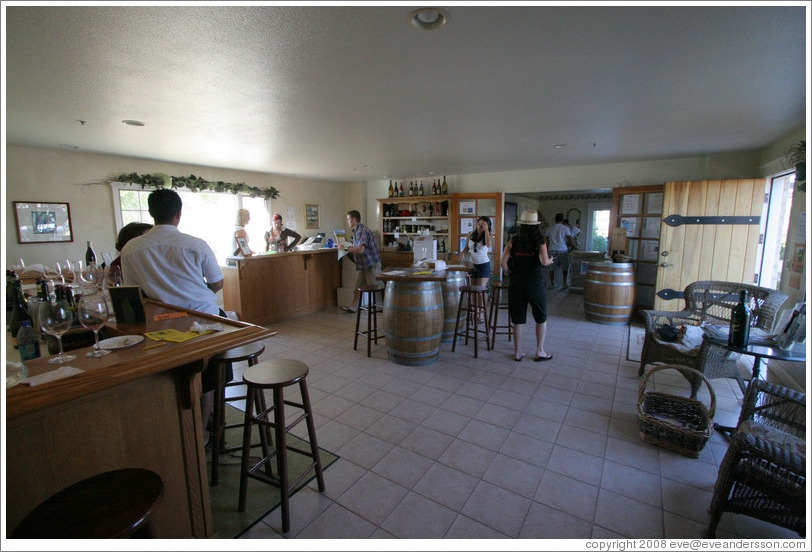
point(244, 249)
point(311, 217)
point(42, 222)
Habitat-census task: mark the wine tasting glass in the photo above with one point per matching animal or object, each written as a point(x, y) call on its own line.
point(52, 272)
point(92, 313)
point(55, 319)
point(112, 277)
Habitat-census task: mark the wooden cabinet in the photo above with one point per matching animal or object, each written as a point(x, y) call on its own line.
point(404, 218)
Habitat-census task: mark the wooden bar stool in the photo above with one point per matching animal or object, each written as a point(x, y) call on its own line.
point(276, 375)
point(496, 306)
point(372, 333)
point(112, 505)
point(224, 362)
point(473, 302)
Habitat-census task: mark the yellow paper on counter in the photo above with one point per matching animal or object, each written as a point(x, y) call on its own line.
point(174, 336)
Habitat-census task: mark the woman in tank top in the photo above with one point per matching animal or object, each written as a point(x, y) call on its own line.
point(479, 244)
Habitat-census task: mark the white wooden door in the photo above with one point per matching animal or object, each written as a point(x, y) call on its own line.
point(710, 231)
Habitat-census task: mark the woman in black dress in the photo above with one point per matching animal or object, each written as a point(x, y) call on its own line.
point(527, 284)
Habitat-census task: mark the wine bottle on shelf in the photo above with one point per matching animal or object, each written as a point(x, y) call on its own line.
point(739, 334)
point(19, 314)
point(90, 257)
point(421, 188)
point(433, 187)
point(401, 189)
point(445, 187)
point(390, 188)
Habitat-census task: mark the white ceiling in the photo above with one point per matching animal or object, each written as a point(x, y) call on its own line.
point(356, 93)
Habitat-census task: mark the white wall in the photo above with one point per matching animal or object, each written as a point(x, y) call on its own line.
point(37, 174)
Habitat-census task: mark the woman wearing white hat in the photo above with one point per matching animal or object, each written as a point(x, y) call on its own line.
point(529, 254)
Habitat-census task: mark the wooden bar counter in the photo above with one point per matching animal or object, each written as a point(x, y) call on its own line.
point(133, 408)
point(264, 289)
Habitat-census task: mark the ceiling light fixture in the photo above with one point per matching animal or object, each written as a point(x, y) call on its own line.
point(561, 146)
point(68, 146)
point(133, 122)
point(428, 18)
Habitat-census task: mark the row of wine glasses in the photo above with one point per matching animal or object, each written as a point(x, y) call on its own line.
point(56, 317)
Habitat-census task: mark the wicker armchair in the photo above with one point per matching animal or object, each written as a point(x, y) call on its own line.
point(710, 301)
point(763, 473)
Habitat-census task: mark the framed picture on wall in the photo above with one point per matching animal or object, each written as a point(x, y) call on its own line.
point(311, 217)
point(42, 222)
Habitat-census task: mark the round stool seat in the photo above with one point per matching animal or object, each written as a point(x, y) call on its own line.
point(371, 287)
point(275, 373)
point(110, 505)
point(473, 288)
point(237, 354)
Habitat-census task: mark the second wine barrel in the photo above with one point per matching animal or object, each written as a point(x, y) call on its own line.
point(413, 322)
point(609, 292)
point(451, 301)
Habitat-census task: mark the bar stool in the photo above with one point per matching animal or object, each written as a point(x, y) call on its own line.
point(372, 333)
point(276, 375)
point(473, 302)
point(497, 305)
point(112, 505)
point(224, 362)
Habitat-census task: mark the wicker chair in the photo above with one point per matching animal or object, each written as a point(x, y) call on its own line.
point(763, 473)
point(709, 301)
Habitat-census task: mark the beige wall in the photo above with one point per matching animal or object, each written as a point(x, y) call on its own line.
point(36, 174)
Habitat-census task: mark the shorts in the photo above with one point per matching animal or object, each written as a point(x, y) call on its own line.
point(368, 276)
point(481, 271)
point(527, 290)
point(561, 259)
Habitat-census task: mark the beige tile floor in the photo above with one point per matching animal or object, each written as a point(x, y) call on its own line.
point(493, 448)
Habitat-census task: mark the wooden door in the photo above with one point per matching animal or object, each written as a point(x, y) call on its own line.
point(710, 231)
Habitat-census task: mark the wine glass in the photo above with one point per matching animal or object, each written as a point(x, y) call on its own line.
point(55, 319)
point(92, 312)
point(113, 277)
point(52, 272)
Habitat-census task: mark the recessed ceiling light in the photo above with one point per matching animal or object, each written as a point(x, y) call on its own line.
point(428, 18)
point(561, 146)
point(68, 146)
point(133, 122)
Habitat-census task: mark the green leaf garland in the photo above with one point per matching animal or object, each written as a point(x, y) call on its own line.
point(196, 184)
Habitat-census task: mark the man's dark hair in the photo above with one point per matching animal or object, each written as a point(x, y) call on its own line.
point(132, 230)
point(559, 217)
point(355, 214)
point(164, 205)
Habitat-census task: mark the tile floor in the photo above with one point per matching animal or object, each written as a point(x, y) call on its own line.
point(492, 448)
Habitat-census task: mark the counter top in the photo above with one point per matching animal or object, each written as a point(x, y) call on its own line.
point(132, 363)
point(261, 256)
point(419, 274)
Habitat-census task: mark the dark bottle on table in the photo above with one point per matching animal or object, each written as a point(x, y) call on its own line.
point(739, 334)
point(90, 256)
point(28, 341)
point(19, 314)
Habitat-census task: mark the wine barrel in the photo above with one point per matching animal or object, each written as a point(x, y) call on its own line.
point(413, 321)
point(579, 264)
point(451, 301)
point(609, 292)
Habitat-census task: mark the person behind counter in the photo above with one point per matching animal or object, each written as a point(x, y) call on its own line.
point(128, 232)
point(479, 243)
point(367, 257)
point(528, 253)
point(276, 239)
point(243, 218)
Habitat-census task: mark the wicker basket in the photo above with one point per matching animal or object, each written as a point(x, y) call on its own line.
point(680, 424)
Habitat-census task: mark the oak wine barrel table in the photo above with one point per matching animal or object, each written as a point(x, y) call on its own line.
point(609, 293)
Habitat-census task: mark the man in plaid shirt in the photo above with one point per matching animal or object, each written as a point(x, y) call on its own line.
point(366, 254)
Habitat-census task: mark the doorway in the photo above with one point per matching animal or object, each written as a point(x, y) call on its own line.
point(774, 228)
point(597, 228)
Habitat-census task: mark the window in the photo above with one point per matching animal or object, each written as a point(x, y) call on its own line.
point(207, 215)
point(597, 231)
point(775, 224)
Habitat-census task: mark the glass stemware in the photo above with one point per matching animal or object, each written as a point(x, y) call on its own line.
point(55, 319)
point(52, 272)
point(92, 312)
point(112, 277)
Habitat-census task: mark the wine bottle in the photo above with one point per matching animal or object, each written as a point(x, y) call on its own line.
point(401, 189)
point(19, 314)
point(421, 188)
point(739, 334)
point(390, 188)
point(433, 187)
point(90, 257)
point(445, 187)
point(28, 341)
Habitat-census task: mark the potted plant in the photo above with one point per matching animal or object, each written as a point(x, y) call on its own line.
point(796, 158)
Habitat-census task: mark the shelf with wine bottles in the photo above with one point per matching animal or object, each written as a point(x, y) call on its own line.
point(404, 218)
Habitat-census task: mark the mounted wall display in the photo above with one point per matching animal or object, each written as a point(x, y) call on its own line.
point(311, 217)
point(42, 222)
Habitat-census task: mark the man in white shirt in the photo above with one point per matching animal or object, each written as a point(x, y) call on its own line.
point(175, 268)
point(560, 242)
